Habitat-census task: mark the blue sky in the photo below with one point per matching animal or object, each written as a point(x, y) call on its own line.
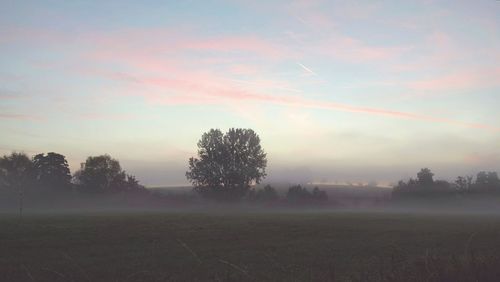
point(337, 91)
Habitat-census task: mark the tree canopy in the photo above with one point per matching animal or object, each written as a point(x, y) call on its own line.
point(425, 177)
point(16, 171)
point(227, 164)
point(104, 174)
point(52, 171)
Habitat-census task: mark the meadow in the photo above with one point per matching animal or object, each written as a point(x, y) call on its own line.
point(250, 246)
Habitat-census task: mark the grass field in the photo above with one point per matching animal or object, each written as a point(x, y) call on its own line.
point(248, 247)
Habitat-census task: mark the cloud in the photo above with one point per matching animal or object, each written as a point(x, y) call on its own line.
point(108, 116)
point(349, 49)
point(159, 66)
point(210, 92)
point(20, 117)
point(249, 44)
point(470, 79)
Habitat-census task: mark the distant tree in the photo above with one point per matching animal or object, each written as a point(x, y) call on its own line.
point(132, 184)
point(441, 187)
point(425, 177)
point(16, 175)
point(298, 193)
point(103, 174)
point(319, 195)
point(400, 189)
point(424, 186)
point(403, 188)
point(268, 194)
point(52, 171)
point(227, 164)
point(487, 181)
point(463, 184)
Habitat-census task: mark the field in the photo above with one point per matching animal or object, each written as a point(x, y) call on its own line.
point(238, 246)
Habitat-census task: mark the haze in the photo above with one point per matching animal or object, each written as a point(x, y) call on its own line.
point(365, 91)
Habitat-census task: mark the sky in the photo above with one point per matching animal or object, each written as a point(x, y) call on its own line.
point(337, 90)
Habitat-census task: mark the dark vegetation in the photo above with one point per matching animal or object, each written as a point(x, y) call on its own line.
point(50, 173)
point(227, 167)
point(267, 194)
point(425, 185)
point(227, 164)
point(299, 194)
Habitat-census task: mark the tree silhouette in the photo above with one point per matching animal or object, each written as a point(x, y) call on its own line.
point(463, 184)
point(297, 193)
point(319, 195)
point(267, 194)
point(424, 186)
point(227, 164)
point(104, 174)
point(487, 181)
point(52, 171)
point(425, 177)
point(16, 175)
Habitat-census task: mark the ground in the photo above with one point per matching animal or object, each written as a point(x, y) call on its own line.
point(233, 246)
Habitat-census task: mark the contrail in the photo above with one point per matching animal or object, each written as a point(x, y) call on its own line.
point(308, 70)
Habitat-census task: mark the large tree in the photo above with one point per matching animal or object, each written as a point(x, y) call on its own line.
point(52, 171)
point(227, 164)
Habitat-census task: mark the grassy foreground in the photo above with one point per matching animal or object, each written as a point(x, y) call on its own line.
point(249, 247)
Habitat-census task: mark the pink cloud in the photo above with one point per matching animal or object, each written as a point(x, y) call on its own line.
point(311, 14)
point(244, 69)
point(211, 92)
point(249, 44)
point(437, 50)
point(327, 40)
point(161, 69)
point(349, 49)
point(476, 79)
point(482, 159)
point(106, 116)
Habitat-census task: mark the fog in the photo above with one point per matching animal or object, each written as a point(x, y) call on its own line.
point(155, 174)
point(342, 199)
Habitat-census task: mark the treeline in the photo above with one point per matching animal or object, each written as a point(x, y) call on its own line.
point(296, 194)
point(425, 185)
point(50, 173)
point(102, 175)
